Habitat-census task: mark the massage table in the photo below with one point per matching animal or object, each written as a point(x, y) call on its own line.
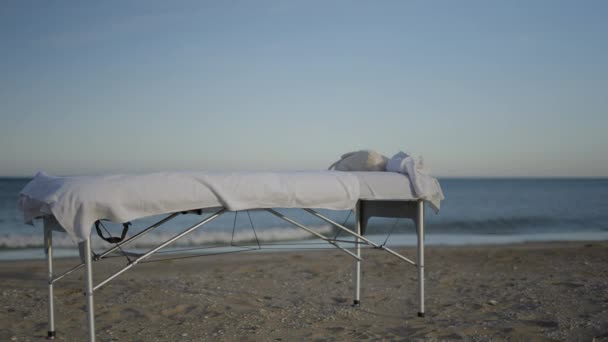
point(74, 205)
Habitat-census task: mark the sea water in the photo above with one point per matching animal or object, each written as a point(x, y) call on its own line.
point(475, 211)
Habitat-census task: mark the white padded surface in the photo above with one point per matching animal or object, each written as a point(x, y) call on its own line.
point(384, 186)
point(77, 202)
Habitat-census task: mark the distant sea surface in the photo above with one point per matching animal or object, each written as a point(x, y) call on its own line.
point(475, 211)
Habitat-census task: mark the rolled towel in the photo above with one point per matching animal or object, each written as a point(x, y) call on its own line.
point(360, 161)
point(425, 186)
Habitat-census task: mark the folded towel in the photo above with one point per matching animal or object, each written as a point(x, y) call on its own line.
point(360, 161)
point(425, 186)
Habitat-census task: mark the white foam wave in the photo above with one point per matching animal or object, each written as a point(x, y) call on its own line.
point(155, 238)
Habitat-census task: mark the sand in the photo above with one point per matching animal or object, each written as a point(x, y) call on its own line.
point(528, 292)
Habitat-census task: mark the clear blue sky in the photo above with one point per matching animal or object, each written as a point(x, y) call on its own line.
point(479, 88)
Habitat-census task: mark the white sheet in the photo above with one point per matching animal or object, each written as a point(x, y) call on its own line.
point(425, 186)
point(384, 186)
point(77, 202)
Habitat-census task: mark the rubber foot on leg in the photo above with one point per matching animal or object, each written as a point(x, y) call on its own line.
point(421, 314)
point(50, 335)
point(356, 303)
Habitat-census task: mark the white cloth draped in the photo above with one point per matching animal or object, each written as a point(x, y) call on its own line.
point(425, 186)
point(77, 202)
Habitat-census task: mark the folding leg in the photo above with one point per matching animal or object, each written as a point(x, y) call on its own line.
point(48, 246)
point(420, 263)
point(88, 266)
point(357, 270)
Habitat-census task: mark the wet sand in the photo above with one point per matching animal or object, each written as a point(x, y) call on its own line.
point(527, 292)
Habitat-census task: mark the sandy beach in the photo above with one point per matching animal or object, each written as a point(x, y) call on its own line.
point(527, 292)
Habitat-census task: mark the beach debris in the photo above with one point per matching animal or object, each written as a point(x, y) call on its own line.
point(492, 302)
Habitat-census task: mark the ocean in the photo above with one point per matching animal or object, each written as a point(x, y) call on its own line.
point(475, 211)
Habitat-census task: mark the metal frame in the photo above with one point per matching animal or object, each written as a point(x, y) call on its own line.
point(48, 248)
point(357, 270)
point(363, 211)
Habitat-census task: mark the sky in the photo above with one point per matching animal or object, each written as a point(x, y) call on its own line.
point(478, 88)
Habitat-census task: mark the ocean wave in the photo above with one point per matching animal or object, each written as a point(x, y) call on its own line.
point(493, 226)
point(155, 238)
point(515, 225)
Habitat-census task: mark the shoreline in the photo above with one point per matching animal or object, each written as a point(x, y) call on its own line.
point(397, 240)
point(529, 291)
point(524, 244)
